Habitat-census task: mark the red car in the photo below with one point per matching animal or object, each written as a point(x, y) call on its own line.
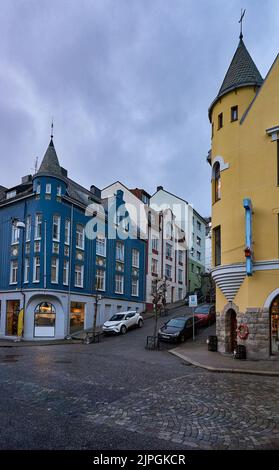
point(205, 314)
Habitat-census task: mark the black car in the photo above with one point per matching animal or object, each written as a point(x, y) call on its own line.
point(178, 329)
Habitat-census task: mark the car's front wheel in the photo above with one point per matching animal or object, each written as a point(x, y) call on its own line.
point(140, 323)
point(123, 330)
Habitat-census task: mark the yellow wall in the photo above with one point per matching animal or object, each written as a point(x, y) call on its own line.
point(252, 173)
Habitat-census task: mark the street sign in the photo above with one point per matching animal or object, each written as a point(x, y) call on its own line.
point(193, 300)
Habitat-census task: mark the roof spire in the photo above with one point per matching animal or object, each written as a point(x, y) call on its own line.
point(240, 21)
point(51, 133)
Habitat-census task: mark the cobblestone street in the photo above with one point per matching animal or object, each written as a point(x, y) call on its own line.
point(117, 395)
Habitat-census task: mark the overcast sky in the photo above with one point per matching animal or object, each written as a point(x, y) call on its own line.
point(128, 83)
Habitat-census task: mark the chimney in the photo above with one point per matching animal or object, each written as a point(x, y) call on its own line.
point(96, 191)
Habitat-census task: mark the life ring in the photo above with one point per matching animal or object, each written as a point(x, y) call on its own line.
point(243, 331)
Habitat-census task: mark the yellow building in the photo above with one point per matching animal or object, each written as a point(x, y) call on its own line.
point(245, 172)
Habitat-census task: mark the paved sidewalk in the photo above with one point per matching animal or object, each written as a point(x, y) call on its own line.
point(196, 353)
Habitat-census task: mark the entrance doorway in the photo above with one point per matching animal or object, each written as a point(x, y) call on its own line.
point(274, 326)
point(77, 317)
point(13, 308)
point(231, 331)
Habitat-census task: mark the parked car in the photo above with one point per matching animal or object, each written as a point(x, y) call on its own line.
point(199, 295)
point(178, 329)
point(205, 314)
point(122, 321)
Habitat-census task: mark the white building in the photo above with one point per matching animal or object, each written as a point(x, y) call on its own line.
point(166, 242)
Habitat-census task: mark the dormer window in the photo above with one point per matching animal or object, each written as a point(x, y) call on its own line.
point(48, 188)
point(220, 120)
point(10, 194)
point(234, 113)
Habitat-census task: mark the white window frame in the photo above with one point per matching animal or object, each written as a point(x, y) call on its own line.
point(169, 249)
point(101, 243)
point(154, 266)
point(154, 243)
point(56, 222)
point(80, 236)
point(28, 228)
point(38, 223)
point(168, 267)
point(48, 188)
point(135, 282)
point(67, 231)
point(119, 282)
point(54, 265)
point(35, 266)
point(121, 258)
point(59, 191)
point(180, 275)
point(135, 258)
point(66, 272)
point(102, 278)
point(15, 235)
point(180, 256)
point(26, 269)
point(14, 272)
point(11, 194)
point(81, 273)
point(38, 189)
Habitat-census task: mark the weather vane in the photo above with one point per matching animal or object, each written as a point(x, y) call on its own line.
point(240, 21)
point(51, 135)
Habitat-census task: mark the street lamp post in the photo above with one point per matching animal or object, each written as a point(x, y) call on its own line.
point(97, 299)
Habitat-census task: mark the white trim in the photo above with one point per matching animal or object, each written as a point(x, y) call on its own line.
point(270, 298)
point(223, 165)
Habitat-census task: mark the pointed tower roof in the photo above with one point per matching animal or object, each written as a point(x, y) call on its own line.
point(241, 72)
point(50, 164)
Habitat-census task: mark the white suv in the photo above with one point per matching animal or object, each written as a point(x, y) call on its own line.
point(122, 321)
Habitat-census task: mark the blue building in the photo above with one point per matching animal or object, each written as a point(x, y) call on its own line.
point(58, 253)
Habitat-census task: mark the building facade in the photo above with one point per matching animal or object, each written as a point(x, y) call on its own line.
point(62, 245)
point(166, 243)
point(193, 225)
point(245, 211)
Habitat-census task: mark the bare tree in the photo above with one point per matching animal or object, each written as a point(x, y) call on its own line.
point(159, 299)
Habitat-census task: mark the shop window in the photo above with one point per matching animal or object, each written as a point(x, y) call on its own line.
point(44, 320)
point(12, 312)
point(77, 316)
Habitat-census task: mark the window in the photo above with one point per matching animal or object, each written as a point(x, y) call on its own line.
point(27, 248)
point(38, 189)
point(199, 255)
point(37, 247)
point(220, 120)
point(217, 182)
point(234, 113)
point(120, 251)
point(153, 287)
point(168, 271)
point(154, 243)
point(199, 241)
point(36, 269)
point(54, 269)
point(119, 284)
point(80, 236)
point(101, 245)
point(180, 275)
point(26, 269)
point(59, 191)
point(278, 162)
point(66, 272)
point(48, 188)
point(180, 256)
point(169, 230)
point(55, 248)
point(135, 287)
point(192, 267)
point(154, 266)
point(79, 270)
point(15, 234)
point(199, 225)
point(10, 194)
point(77, 316)
point(168, 250)
point(56, 221)
point(14, 272)
point(135, 258)
point(198, 269)
point(38, 226)
point(217, 245)
point(28, 228)
point(67, 231)
point(180, 293)
point(100, 279)
point(44, 320)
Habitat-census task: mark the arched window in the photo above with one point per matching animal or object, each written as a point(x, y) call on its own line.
point(44, 320)
point(217, 182)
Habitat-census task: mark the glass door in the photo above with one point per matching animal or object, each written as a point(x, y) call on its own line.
point(13, 308)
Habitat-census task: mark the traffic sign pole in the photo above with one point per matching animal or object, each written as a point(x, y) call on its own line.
point(193, 302)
